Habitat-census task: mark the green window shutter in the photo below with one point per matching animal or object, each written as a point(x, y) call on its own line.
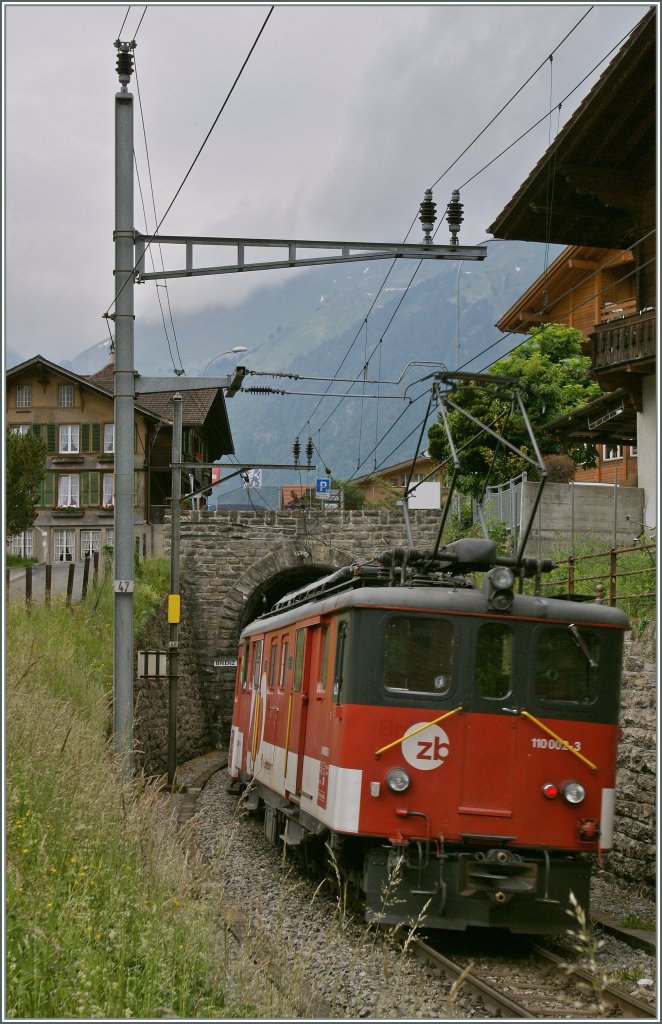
point(46, 491)
point(89, 488)
point(36, 429)
point(96, 437)
point(51, 437)
point(85, 437)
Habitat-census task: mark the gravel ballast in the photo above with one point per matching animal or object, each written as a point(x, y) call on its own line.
point(319, 959)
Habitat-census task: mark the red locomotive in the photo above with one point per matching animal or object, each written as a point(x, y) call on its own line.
point(454, 746)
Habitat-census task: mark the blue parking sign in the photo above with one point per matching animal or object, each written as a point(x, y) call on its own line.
point(323, 485)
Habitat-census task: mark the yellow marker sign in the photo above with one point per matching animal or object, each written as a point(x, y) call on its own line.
point(174, 607)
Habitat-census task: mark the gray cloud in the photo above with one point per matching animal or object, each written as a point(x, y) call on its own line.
point(344, 115)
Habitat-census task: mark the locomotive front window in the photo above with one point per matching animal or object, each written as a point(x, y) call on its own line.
point(418, 654)
point(494, 659)
point(566, 665)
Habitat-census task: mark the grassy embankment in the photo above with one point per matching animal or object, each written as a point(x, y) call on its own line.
point(103, 917)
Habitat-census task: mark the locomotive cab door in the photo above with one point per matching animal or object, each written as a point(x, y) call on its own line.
point(490, 731)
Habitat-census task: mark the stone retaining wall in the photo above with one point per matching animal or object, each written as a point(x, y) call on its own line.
point(634, 854)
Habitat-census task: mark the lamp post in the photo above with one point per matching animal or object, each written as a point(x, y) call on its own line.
point(230, 351)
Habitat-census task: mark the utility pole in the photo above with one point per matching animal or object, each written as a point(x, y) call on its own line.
point(123, 578)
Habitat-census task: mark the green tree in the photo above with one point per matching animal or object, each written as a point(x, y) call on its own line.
point(25, 465)
point(552, 377)
point(352, 495)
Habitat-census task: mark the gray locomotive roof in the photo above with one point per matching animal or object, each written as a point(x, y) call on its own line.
point(444, 599)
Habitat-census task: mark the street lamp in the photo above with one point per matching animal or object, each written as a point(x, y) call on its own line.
point(230, 351)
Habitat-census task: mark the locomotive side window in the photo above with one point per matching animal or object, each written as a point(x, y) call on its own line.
point(341, 659)
point(566, 665)
point(418, 654)
point(324, 658)
point(273, 664)
point(244, 668)
point(494, 659)
point(283, 665)
point(299, 651)
point(257, 663)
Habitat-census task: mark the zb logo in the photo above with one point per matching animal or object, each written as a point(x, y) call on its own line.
point(427, 748)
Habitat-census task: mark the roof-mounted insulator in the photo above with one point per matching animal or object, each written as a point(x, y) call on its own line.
point(124, 61)
point(296, 450)
point(310, 448)
point(454, 216)
point(427, 215)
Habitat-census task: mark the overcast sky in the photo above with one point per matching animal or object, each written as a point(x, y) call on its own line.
point(343, 116)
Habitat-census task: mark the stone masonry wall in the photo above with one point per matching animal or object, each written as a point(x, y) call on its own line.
point(634, 853)
point(194, 735)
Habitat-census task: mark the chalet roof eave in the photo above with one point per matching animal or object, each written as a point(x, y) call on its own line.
point(611, 418)
point(507, 224)
point(80, 380)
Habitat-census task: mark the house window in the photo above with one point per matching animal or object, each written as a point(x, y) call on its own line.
point(110, 537)
point(69, 438)
point(63, 545)
point(109, 438)
point(633, 450)
point(612, 452)
point(90, 541)
point(108, 496)
point(65, 395)
point(24, 396)
point(22, 544)
point(68, 490)
point(22, 429)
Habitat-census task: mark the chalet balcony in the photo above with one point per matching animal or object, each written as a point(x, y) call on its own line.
point(626, 343)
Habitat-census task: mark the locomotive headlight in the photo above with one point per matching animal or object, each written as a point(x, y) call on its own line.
point(498, 588)
point(503, 577)
point(573, 792)
point(397, 780)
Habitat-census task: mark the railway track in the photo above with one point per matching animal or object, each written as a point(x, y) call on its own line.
point(525, 981)
point(531, 982)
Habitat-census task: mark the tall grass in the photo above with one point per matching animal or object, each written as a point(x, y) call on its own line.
point(104, 913)
point(635, 580)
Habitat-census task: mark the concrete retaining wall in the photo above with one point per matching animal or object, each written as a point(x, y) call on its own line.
point(581, 510)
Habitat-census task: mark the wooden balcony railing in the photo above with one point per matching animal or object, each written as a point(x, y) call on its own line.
point(625, 340)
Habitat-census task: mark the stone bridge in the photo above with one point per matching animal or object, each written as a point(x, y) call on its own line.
point(235, 564)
